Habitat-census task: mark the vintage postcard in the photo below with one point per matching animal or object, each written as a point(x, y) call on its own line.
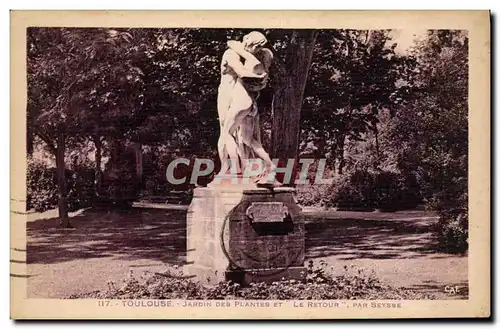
point(250, 164)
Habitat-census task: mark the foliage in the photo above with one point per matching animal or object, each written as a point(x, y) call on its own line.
point(82, 83)
point(355, 73)
point(42, 193)
point(395, 191)
point(41, 187)
point(155, 164)
point(392, 125)
point(363, 189)
point(81, 78)
point(355, 192)
point(453, 233)
point(81, 189)
point(434, 148)
point(120, 185)
point(429, 90)
point(319, 284)
point(313, 195)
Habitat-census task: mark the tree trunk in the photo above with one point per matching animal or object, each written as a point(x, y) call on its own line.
point(98, 159)
point(377, 149)
point(288, 97)
point(61, 181)
point(29, 141)
point(341, 156)
point(137, 147)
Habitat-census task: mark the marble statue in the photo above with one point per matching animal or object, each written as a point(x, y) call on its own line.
point(244, 73)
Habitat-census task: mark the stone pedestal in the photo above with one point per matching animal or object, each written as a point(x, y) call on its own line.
point(245, 234)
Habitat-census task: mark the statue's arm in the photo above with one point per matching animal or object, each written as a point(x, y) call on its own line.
point(233, 61)
point(238, 47)
point(267, 59)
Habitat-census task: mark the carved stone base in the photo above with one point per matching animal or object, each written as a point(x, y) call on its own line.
point(245, 234)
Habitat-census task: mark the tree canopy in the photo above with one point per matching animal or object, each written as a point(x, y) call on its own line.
point(345, 95)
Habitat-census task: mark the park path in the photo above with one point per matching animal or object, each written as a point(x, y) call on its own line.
point(106, 246)
point(399, 247)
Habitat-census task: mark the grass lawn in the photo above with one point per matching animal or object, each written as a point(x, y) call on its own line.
point(105, 246)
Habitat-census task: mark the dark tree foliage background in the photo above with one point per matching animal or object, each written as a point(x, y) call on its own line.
point(392, 126)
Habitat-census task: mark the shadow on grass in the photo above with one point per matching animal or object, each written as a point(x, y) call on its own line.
point(370, 238)
point(160, 235)
point(154, 234)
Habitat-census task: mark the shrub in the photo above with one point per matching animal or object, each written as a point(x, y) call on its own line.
point(120, 185)
point(355, 191)
point(354, 283)
point(81, 187)
point(452, 229)
point(154, 170)
point(366, 190)
point(41, 187)
point(42, 190)
point(312, 195)
point(453, 233)
point(394, 191)
point(154, 178)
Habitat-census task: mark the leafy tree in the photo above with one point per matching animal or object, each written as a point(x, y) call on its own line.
point(80, 82)
point(110, 85)
point(329, 91)
point(355, 74)
point(49, 82)
point(429, 136)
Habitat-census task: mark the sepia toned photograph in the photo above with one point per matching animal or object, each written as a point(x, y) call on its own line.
point(247, 167)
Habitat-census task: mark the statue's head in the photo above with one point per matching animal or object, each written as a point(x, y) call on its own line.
point(253, 41)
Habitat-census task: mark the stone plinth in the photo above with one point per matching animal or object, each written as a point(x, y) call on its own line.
point(245, 234)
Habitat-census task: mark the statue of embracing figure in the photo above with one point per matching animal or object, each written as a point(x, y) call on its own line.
point(244, 72)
